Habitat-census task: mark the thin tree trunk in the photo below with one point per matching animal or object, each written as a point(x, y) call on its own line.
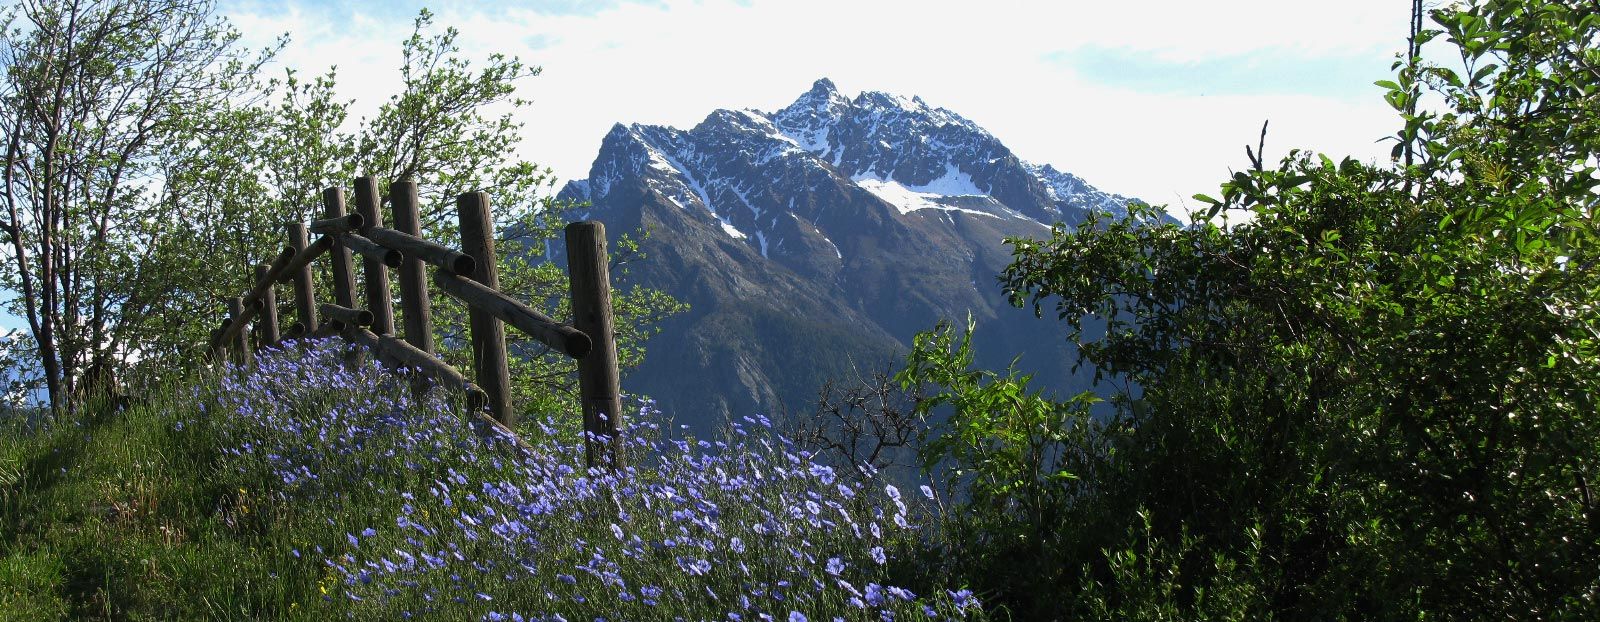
point(38, 322)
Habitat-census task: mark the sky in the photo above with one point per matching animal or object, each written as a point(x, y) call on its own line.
point(1151, 99)
point(1154, 99)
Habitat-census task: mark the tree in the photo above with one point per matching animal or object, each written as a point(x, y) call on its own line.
point(437, 131)
point(123, 113)
point(96, 95)
point(1375, 397)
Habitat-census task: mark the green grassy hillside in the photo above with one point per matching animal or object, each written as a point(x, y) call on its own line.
point(311, 489)
point(125, 515)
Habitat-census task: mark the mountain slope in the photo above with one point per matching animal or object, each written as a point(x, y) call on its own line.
point(818, 239)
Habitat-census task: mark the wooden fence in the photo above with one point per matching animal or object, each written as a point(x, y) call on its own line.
point(469, 275)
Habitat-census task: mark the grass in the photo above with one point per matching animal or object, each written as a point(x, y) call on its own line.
point(311, 489)
point(116, 516)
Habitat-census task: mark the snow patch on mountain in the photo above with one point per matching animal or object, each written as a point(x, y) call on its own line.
point(909, 199)
point(809, 121)
point(683, 174)
point(732, 230)
point(657, 161)
point(954, 182)
point(1063, 186)
point(813, 140)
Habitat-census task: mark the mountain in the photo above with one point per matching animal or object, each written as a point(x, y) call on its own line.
point(813, 242)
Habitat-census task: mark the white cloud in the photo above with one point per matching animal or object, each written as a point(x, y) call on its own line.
point(1186, 31)
point(675, 62)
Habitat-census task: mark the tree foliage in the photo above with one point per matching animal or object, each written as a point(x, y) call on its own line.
point(97, 96)
point(1357, 391)
point(211, 159)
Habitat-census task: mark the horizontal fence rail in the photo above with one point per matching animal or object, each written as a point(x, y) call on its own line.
point(469, 275)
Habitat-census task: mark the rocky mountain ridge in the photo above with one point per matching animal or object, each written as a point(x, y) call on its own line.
point(814, 241)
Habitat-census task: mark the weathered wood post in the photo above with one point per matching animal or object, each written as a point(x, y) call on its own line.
point(415, 307)
point(488, 333)
point(267, 329)
point(344, 280)
point(305, 302)
point(589, 274)
point(241, 339)
point(218, 351)
point(376, 274)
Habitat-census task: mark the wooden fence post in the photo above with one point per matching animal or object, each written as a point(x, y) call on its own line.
point(415, 307)
point(344, 280)
point(267, 329)
point(488, 333)
point(219, 350)
point(598, 385)
point(379, 301)
point(305, 302)
point(472, 275)
point(241, 340)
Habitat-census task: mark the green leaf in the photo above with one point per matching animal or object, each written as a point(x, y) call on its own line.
point(1482, 72)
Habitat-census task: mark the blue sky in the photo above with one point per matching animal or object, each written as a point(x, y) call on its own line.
point(1152, 99)
point(1251, 73)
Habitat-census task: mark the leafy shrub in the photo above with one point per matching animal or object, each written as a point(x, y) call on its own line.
point(1373, 398)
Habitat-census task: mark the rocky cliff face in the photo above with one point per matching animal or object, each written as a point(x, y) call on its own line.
point(814, 241)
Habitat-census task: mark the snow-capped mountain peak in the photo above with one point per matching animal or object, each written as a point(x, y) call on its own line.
point(811, 117)
point(822, 235)
point(744, 168)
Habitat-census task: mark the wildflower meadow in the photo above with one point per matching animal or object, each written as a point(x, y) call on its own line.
point(413, 509)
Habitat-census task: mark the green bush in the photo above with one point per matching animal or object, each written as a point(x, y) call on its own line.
point(1359, 391)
